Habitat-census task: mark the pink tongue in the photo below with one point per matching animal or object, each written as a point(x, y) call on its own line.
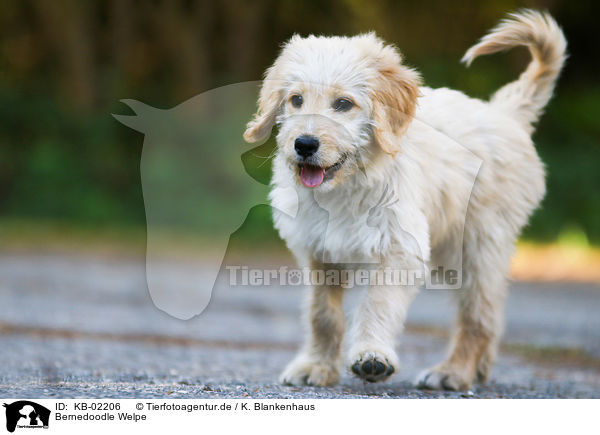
point(311, 176)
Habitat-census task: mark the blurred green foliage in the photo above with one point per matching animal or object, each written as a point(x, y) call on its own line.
point(63, 68)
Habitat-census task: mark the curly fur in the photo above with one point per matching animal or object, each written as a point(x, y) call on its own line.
point(464, 173)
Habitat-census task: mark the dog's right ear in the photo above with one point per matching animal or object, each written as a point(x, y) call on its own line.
point(269, 102)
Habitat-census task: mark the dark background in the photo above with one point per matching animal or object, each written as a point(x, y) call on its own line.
point(65, 65)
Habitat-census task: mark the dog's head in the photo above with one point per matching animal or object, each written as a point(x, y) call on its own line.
point(340, 104)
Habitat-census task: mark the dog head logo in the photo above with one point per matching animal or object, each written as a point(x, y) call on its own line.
point(26, 414)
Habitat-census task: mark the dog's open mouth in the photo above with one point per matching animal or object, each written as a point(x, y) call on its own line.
point(314, 176)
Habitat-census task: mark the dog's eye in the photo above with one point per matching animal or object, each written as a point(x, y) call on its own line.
point(342, 105)
point(296, 101)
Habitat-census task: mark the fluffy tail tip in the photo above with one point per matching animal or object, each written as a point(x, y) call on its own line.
point(504, 36)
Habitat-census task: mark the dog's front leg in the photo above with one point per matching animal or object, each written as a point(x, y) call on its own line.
point(380, 317)
point(318, 361)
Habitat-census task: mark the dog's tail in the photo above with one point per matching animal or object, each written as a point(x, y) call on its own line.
point(527, 96)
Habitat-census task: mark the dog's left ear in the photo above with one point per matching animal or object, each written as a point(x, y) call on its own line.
point(269, 102)
point(394, 99)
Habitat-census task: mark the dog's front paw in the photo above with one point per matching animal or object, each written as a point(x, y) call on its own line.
point(373, 366)
point(304, 371)
point(443, 378)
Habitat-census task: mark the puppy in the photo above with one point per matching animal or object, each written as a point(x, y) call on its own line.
point(354, 122)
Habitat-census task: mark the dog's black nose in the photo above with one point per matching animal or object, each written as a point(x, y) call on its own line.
point(306, 146)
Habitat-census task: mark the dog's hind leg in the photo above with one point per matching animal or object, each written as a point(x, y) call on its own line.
point(480, 316)
point(318, 361)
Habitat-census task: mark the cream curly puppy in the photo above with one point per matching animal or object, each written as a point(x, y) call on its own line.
point(354, 121)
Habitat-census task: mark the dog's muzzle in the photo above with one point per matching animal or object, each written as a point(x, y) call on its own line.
point(314, 176)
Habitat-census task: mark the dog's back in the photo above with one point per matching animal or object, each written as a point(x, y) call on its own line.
point(510, 181)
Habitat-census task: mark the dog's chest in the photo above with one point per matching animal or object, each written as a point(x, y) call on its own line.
point(332, 231)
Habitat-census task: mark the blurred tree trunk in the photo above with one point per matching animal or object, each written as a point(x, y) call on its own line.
point(244, 35)
point(122, 29)
point(68, 27)
point(183, 34)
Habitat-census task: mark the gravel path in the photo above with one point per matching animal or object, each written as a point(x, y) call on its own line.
point(85, 327)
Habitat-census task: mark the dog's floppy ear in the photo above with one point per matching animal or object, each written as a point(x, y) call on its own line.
point(269, 102)
point(394, 99)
